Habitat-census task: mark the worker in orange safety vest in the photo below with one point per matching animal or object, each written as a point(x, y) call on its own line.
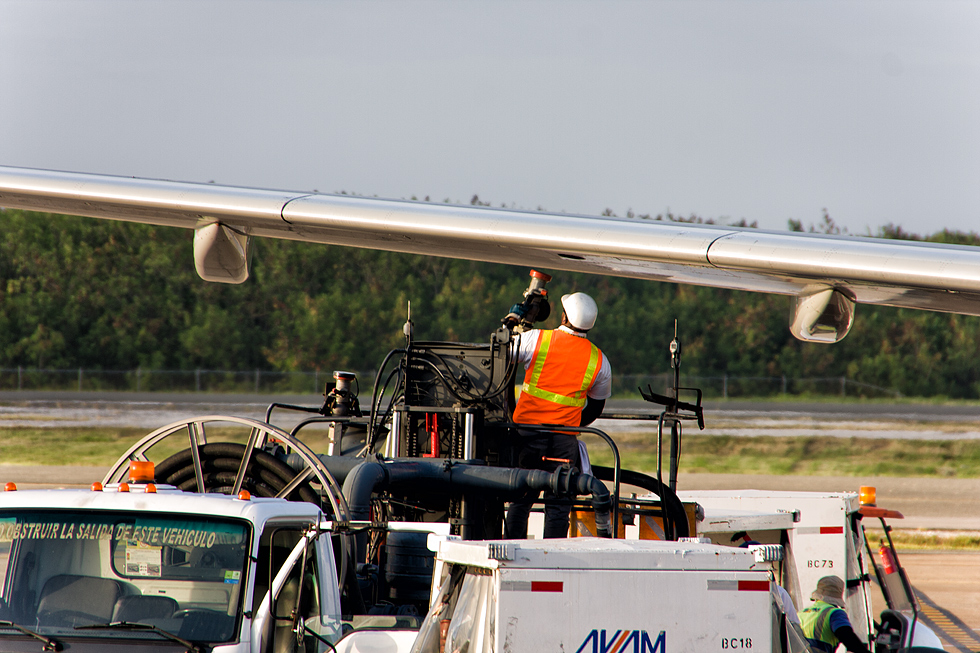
point(567, 381)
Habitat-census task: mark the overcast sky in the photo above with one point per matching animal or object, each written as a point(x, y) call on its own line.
point(738, 109)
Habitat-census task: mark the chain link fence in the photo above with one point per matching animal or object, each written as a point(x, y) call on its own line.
point(143, 380)
point(269, 382)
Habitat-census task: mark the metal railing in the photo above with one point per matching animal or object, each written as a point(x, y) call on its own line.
point(271, 382)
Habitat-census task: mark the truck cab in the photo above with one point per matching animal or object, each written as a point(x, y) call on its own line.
point(150, 568)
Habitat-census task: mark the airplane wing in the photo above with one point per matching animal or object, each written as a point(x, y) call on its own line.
point(826, 274)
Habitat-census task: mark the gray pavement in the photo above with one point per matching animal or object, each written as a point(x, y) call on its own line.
point(34, 477)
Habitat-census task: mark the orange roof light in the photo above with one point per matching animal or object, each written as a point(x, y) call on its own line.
point(96, 487)
point(244, 495)
point(867, 494)
point(150, 488)
point(10, 487)
point(124, 487)
point(141, 471)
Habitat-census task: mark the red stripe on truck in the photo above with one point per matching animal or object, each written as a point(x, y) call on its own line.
point(829, 530)
point(753, 586)
point(546, 585)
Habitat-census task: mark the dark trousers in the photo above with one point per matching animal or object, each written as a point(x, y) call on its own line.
point(553, 445)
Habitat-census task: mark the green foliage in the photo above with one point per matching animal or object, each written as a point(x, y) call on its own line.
point(100, 294)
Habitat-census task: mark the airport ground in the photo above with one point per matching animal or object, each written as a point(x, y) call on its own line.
point(948, 582)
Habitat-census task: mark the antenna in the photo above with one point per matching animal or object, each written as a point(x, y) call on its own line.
point(675, 410)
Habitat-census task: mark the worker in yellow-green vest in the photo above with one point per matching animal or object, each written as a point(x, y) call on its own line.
point(825, 623)
point(566, 382)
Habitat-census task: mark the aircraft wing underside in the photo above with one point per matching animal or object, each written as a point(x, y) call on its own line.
point(864, 270)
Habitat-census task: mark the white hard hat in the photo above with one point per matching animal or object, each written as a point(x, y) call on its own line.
point(580, 309)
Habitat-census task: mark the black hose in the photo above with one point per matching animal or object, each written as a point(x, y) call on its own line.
point(450, 387)
point(388, 411)
point(490, 393)
point(372, 436)
point(412, 474)
point(374, 394)
point(675, 516)
point(265, 476)
point(338, 466)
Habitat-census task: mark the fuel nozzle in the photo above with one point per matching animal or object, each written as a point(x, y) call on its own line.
point(341, 399)
point(535, 307)
point(538, 282)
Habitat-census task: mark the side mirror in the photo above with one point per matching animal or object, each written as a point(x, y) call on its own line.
point(300, 631)
point(822, 316)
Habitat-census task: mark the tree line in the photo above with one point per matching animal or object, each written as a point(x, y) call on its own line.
point(80, 292)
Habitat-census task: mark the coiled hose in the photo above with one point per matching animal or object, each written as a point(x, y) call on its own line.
point(265, 475)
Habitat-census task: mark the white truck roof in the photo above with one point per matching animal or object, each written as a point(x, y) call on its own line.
point(811, 511)
point(718, 520)
point(593, 553)
point(755, 499)
point(256, 509)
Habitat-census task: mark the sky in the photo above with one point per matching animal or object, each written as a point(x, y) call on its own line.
point(758, 110)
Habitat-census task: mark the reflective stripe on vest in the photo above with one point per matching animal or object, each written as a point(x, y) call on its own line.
point(815, 622)
point(577, 398)
point(553, 392)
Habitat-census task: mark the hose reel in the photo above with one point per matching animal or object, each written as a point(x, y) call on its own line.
point(265, 475)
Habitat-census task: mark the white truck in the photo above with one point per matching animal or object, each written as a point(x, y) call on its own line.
point(823, 534)
point(144, 567)
point(587, 595)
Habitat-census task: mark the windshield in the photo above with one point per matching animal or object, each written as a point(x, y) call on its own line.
point(462, 616)
point(181, 573)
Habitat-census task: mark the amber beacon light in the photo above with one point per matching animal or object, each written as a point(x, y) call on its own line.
point(141, 471)
point(867, 494)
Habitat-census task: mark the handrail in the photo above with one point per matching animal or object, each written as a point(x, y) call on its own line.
point(617, 466)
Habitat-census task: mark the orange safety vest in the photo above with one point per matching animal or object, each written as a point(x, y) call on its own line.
point(558, 379)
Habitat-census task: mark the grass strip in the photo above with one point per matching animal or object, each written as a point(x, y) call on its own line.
point(802, 455)
point(922, 540)
point(93, 447)
point(712, 454)
point(102, 446)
